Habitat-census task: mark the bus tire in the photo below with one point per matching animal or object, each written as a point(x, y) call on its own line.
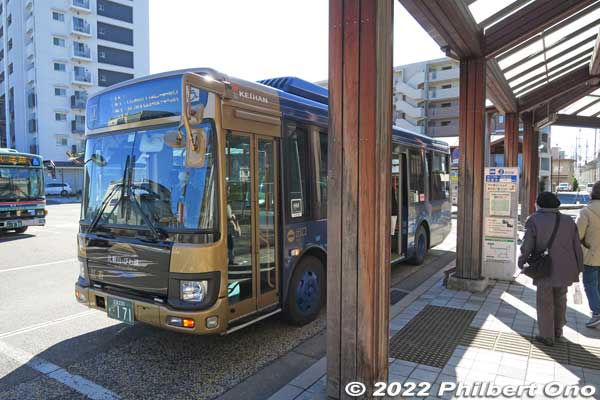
point(64, 193)
point(306, 291)
point(21, 229)
point(421, 246)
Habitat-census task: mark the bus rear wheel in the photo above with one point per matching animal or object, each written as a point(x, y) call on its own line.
point(421, 246)
point(306, 291)
point(21, 229)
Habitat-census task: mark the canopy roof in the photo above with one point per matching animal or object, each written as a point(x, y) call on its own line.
point(542, 55)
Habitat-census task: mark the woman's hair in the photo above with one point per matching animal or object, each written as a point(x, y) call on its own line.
point(547, 200)
point(596, 191)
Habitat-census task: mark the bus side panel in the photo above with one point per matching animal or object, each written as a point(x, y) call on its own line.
point(303, 236)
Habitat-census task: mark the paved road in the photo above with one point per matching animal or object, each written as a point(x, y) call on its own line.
point(53, 348)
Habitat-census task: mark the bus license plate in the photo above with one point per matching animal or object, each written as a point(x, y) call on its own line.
point(120, 309)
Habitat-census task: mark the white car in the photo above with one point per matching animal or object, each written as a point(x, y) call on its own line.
point(563, 187)
point(62, 189)
point(589, 187)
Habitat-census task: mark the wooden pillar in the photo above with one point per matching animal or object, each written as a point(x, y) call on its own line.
point(359, 204)
point(470, 168)
point(530, 185)
point(511, 139)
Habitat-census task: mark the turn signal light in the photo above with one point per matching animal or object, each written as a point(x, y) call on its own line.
point(181, 322)
point(45, 212)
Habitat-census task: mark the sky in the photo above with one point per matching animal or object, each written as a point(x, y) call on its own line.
point(262, 39)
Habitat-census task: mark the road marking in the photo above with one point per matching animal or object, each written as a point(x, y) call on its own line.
point(53, 371)
point(37, 265)
point(46, 324)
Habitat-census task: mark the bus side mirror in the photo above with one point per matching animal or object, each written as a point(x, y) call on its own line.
point(195, 140)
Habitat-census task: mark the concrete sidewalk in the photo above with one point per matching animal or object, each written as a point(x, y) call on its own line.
point(505, 311)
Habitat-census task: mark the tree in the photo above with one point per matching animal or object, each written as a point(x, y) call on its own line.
point(575, 185)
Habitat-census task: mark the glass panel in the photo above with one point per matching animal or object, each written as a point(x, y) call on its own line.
point(20, 183)
point(239, 217)
point(266, 215)
point(157, 186)
point(440, 177)
point(416, 177)
point(296, 149)
point(323, 174)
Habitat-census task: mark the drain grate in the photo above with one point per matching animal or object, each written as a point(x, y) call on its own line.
point(396, 295)
point(563, 353)
point(431, 336)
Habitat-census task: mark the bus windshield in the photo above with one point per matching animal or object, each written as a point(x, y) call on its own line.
point(18, 183)
point(135, 178)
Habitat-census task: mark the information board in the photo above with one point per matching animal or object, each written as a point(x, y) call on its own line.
point(500, 212)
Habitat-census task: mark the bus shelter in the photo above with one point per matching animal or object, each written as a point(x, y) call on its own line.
point(537, 61)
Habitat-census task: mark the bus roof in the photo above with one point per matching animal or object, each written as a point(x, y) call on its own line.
point(299, 100)
point(17, 153)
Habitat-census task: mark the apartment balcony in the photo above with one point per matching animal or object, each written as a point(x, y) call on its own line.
point(82, 78)
point(30, 75)
point(78, 102)
point(32, 125)
point(404, 88)
point(81, 28)
point(409, 109)
point(444, 75)
point(442, 131)
point(442, 112)
point(29, 26)
point(416, 79)
point(404, 124)
point(77, 126)
point(81, 53)
point(30, 50)
point(450, 93)
point(81, 5)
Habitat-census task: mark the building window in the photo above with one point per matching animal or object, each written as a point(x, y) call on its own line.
point(58, 16)
point(10, 68)
point(9, 20)
point(500, 119)
point(115, 33)
point(447, 67)
point(10, 44)
point(61, 92)
point(108, 78)
point(446, 105)
point(445, 123)
point(60, 67)
point(60, 42)
point(448, 86)
point(59, 116)
point(109, 55)
point(61, 141)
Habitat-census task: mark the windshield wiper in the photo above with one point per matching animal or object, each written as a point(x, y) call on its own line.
point(158, 232)
point(102, 207)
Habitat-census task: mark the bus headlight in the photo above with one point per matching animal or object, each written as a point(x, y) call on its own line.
point(82, 271)
point(193, 291)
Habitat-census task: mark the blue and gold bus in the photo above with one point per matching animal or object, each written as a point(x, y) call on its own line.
point(205, 198)
point(22, 200)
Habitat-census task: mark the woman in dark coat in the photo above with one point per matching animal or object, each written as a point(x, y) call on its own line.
point(567, 264)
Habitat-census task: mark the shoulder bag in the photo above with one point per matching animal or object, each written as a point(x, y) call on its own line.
point(538, 264)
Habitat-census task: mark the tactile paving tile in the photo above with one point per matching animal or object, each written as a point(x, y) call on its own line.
point(562, 352)
point(431, 336)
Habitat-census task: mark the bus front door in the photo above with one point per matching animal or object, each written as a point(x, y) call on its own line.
point(251, 179)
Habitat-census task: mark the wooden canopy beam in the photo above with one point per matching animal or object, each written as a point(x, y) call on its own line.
point(498, 90)
point(577, 121)
point(595, 63)
point(451, 25)
point(527, 22)
point(566, 99)
point(555, 88)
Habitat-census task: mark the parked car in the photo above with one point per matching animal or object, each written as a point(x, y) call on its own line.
point(62, 189)
point(574, 198)
point(589, 187)
point(563, 187)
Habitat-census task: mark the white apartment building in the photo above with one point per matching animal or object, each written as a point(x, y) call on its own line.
point(54, 54)
point(426, 97)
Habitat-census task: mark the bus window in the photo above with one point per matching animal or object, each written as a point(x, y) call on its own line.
point(440, 177)
point(416, 176)
point(323, 173)
point(296, 156)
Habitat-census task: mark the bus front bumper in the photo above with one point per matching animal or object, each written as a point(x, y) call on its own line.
point(19, 223)
point(158, 314)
